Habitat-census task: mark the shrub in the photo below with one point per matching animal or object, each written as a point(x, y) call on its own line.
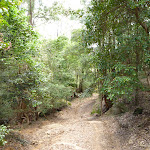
point(3, 132)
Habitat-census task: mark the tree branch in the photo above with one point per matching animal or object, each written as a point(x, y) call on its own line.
point(140, 22)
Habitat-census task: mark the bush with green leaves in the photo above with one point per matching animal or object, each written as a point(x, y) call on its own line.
point(3, 132)
point(120, 83)
point(19, 69)
point(53, 94)
point(122, 45)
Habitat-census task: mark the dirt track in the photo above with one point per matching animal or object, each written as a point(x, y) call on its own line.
point(72, 129)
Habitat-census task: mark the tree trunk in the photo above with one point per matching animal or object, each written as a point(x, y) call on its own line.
point(81, 86)
point(30, 13)
point(137, 53)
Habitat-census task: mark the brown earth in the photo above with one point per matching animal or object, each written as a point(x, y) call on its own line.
point(74, 128)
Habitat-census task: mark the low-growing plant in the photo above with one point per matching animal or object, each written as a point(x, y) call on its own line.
point(3, 132)
point(96, 109)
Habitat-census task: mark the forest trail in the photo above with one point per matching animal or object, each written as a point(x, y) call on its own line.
point(72, 129)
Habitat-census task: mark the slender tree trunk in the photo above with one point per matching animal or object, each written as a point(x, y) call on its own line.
point(100, 94)
point(137, 62)
point(81, 86)
point(30, 13)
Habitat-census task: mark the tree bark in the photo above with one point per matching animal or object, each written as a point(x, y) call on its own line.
point(140, 22)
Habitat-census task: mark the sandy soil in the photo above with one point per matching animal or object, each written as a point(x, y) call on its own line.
point(74, 128)
point(71, 129)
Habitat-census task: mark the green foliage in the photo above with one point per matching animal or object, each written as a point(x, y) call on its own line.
point(4, 6)
point(111, 52)
point(19, 70)
point(96, 110)
point(47, 79)
point(53, 95)
point(39, 12)
point(119, 32)
point(68, 68)
point(121, 83)
point(50, 13)
point(3, 132)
